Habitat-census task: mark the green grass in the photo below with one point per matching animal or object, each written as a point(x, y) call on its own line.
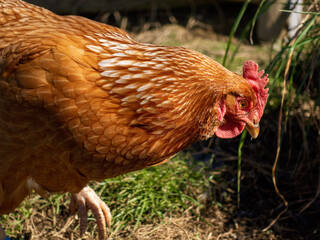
point(148, 195)
point(294, 85)
point(140, 197)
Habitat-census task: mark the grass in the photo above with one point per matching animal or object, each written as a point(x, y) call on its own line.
point(142, 197)
point(148, 195)
point(294, 85)
point(209, 44)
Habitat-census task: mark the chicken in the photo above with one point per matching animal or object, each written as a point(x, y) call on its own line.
point(81, 101)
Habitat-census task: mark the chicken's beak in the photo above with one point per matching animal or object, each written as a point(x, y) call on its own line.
point(253, 129)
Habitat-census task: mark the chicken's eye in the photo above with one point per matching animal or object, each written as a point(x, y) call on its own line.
point(244, 104)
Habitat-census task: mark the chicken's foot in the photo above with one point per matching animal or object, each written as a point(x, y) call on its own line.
point(87, 199)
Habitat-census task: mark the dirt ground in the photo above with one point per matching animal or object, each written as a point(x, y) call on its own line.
point(213, 224)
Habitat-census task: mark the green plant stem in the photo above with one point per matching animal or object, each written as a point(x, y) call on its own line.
point(243, 137)
point(234, 29)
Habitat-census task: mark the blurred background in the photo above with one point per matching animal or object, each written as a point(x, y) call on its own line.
point(267, 188)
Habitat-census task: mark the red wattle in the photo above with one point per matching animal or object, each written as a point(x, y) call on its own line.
point(230, 129)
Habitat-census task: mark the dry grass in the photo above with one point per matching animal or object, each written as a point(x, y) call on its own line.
point(206, 42)
point(215, 223)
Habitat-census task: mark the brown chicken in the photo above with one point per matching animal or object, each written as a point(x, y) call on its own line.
point(81, 101)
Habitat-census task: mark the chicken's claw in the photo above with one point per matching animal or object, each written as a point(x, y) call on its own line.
point(87, 199)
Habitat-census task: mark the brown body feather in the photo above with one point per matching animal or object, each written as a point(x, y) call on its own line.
point(82, 101)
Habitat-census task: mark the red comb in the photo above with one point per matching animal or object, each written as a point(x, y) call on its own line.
point(251, 74)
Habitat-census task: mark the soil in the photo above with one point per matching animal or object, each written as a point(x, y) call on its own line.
point(213, 223)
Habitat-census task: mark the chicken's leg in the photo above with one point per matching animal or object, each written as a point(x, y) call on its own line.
point(87, 199)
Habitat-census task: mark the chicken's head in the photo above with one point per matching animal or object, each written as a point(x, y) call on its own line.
point(244, 108)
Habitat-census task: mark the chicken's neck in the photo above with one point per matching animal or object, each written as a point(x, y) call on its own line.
point(172, 93)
